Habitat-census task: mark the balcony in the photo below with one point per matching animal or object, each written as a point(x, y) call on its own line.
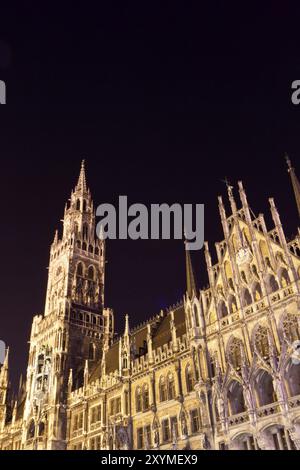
point(238, 419)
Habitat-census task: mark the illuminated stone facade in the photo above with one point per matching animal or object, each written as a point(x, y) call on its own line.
point(213, 372)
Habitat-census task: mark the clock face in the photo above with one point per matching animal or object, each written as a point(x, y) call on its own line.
point(243, 256)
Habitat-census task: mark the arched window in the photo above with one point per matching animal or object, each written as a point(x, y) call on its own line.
point(162, 389)
point(264, 388)
point(91, 249)
point(84, 205)
point(236, 398)
point(189, 378)
point(232, 304)
point(291, 328)
point(91, 272)
point(79, 269)
point(171, 387)
point(246, 296)
point(96, 251)
point(138, 400)
point(235, 348)
point(40, 363)
point(222, 309)
point(78, 205)
point(257, 292)
point(145, 397)
point(261, 341)
point(272, 284)
point(284, 278)
point(31, 430)
point(84, 246)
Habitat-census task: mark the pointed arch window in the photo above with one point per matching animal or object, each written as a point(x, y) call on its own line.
point(284, 278)
point(171, 387)
point(78, 205)
point(257, 292)
point(247, 299)
point(235, 353)
point(232, 304)
point(162, 389)
point(138, 400)
point(291, 327)
point(145, 397)
point(91, 273)
point(79, 269)
point(222, 309)
point(189, 379)
point(31, 430)
point(261, 341)
point(272, 284)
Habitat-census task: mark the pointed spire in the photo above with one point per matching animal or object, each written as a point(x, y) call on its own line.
point(190, 278)
point(295, 182)
point(86, 373)
point(81, 185)
point(70, 381)
point(55, 240)
point(126, 331)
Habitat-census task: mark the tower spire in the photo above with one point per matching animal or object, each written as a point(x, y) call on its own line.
point(295, 182)
point(190, 278)
point(81, 185)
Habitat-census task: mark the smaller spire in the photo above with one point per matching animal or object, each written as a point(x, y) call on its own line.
point(127, 330)
point(55, 240)
point(86, 373)
point(81, 185)
point(295, 182)
point(190, 278)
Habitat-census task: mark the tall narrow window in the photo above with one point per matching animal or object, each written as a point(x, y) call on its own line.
point(171, 387)
point(138, 400)
point(195, 421)
point(162, 389)
point(166, 435)
point(140, 438)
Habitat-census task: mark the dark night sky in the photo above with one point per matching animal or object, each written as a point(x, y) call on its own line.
point(163, 104)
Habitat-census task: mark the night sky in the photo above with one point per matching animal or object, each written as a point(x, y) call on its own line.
point(163, 103)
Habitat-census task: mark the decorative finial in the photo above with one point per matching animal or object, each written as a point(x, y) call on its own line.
point(288, 161)
point(228, 185)
point(81, 185)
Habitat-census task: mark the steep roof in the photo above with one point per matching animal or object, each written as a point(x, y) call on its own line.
point(161, 334)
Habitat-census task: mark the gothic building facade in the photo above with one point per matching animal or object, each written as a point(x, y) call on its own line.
point(216, 371)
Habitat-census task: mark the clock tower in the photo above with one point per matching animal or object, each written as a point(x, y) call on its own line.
point(68, 339)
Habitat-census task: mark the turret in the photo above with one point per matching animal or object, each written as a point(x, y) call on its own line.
point(295, 183)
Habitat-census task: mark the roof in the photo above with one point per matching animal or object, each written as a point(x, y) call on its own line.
point(161, 334)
